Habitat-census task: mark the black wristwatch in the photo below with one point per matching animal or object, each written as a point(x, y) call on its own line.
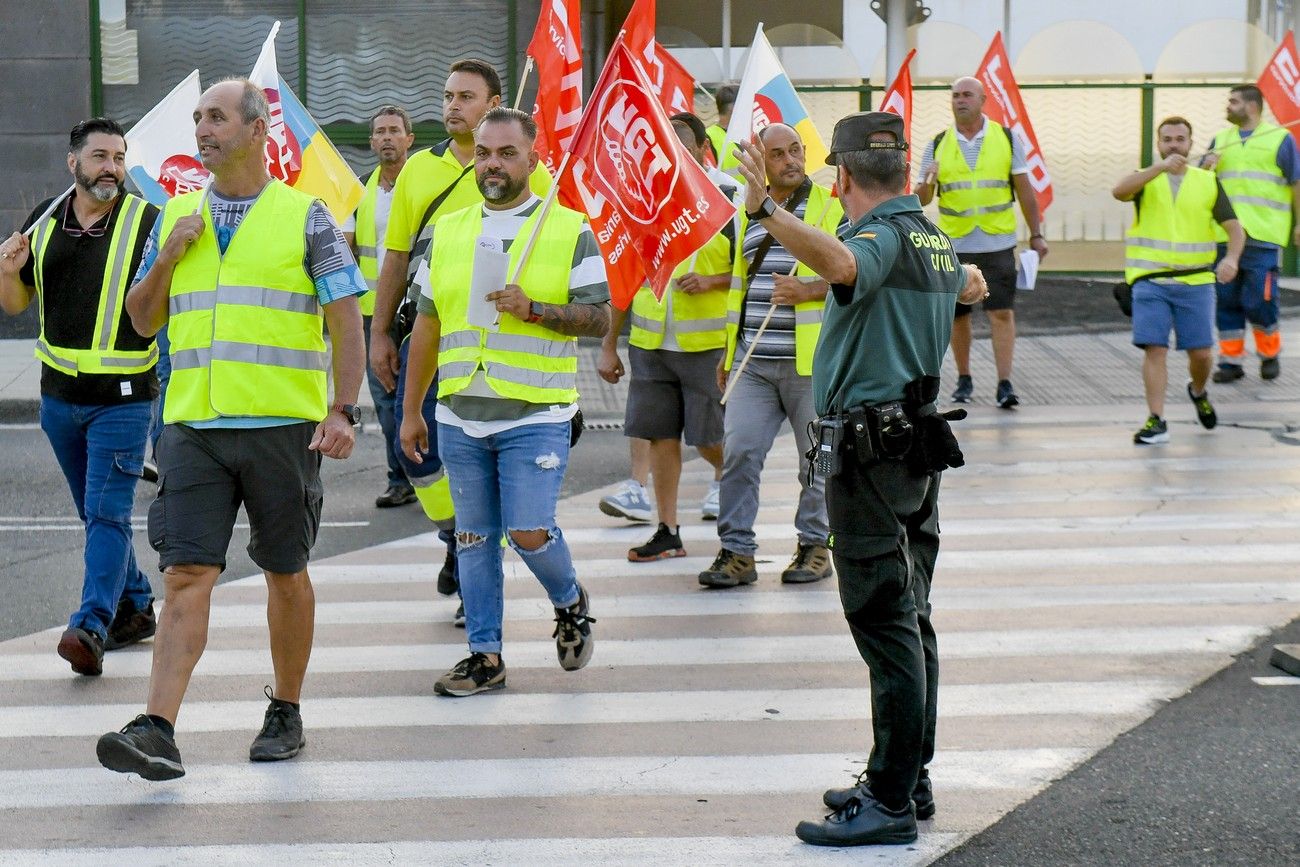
point(766, 209)
point(535, 310)
point(350, 411)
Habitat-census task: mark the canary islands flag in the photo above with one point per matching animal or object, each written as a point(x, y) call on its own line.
point(297, 151)
point(766, 96)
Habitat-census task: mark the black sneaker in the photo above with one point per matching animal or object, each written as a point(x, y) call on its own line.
point(573, 641)
point(1227, 373)
point(1270, 368)
point(862, 821)
point(1007, 395)
point(922, 796)
point(83, 650)
point(281, 736)
point(964, 391)
point(663, 545)
point(447, 583)
point(141, 748)
point(130, 626)
point(458, 619)
point(1204, 409)
point(1154, 431)
point(811, 563)
point(398, 494)
point(729, 569)
point(471, 675)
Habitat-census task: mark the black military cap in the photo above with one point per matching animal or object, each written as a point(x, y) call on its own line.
point(854, 131)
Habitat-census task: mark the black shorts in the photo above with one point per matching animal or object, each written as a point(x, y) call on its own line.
point(999, 271)
point(204, 475)
point(671, 394)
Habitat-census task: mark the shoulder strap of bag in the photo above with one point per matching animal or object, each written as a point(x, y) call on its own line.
point(441, 197)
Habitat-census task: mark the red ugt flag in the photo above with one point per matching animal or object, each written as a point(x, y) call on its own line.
point(650, 204)
point(898, 99)
point(1280, 82)
point(1005, 106)
point(556, 49)
point(669, 80)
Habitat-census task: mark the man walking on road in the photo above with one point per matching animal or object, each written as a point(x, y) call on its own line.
point(390, 139)
point(507, 394)
point(977, 167)
point(770, 285)
point(97, 376)
point(1259, 168)
point(245, 275)
point(895, 281)
point(1169, 258)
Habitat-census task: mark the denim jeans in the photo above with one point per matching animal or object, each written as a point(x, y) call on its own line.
point(101, 451)
point(507, 481)
point(164, 371)
point(385, 413)
point(412, 472)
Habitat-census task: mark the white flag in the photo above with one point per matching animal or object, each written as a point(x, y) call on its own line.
point(161, 155)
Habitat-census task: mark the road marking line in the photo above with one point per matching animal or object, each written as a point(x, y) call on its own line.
point(1277, 680)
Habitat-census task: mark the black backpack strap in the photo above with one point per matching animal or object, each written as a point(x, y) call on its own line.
point(438, 150)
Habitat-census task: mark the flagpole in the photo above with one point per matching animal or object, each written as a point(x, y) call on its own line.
point(50, 210)
point(735, 377)
point(541, 215)
point(523, 79)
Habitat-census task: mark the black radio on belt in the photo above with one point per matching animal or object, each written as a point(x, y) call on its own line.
point(827, 445)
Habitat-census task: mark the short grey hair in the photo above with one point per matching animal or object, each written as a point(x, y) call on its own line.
point(253, 104)
point(878, 169)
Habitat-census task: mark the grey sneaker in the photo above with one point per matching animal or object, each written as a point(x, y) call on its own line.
point(141, 748)
point(964, 390)
point(473, 674)
point(281, 736)
point(729, 569)
point(458, 619)
point(811, 563)
point(863, 821)
point(573, 641)
point(922, 795)
point(630, 501)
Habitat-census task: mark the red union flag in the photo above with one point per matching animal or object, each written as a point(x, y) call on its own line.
point(650, 204)
point(898, 99)
point(1005, 106)
point(556, 48)
point(669, 80)
point(1280, 82)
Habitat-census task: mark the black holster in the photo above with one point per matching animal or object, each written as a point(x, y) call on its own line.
point(934, 446)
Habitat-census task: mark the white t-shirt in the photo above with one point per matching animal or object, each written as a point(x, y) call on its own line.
point(383, 207)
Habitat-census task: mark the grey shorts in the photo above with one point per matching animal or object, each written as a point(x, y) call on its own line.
point(205, 475)
point(674, 394)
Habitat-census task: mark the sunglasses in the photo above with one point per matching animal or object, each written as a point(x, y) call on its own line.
point(77, 231)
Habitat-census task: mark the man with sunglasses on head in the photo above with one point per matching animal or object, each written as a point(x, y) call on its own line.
point(97, 375)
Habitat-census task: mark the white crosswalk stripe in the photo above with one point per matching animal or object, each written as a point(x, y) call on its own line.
point(1082, 584)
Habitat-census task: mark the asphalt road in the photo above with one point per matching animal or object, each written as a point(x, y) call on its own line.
point(41, 539)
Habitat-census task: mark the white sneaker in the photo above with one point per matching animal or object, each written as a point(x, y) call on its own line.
point(630, 501)
point(709, 505)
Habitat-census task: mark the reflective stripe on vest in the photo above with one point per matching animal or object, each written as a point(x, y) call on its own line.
point(808, 316)
point(367, 243)
point(699, 321)
point(522, 361)
point(1173, 233)
point(100, 357)
point(1256, 186)
point(245, 326)
point(980, 197)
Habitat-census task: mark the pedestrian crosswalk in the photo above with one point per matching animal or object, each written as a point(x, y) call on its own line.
point(1083, 583)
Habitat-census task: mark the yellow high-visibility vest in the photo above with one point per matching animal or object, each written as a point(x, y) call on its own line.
point(1171, 234)
point(808, 315)
point(100, 356)
point(1256, 186)
point(522, 361)
point(699, 321)
point(246, 325)
point(366, 241)
point(979, 197)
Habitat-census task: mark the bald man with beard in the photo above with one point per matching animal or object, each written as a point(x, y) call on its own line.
point(973, 167)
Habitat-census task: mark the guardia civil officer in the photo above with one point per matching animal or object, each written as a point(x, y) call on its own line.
point(895, 282)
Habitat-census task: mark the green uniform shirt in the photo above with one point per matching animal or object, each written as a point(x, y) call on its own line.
point(893, 324)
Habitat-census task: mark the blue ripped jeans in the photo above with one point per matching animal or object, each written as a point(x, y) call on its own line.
point(101, 452)
point(507, 481)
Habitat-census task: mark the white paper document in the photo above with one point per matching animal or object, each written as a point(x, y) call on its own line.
point(491, 266)
point(1027, 276)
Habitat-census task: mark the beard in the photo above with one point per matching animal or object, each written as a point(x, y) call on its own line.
point(500, 188)
point(91, 185)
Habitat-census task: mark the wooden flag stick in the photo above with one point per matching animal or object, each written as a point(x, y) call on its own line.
point(523, 79)
point(537, 226)
point(749, 351)
point(50, 210)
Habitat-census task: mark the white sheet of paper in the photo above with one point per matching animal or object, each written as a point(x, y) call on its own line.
point(1027, 276)
point(491, 267)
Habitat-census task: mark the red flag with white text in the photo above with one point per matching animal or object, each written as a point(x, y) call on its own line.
point(669, 80)
point(1004, 105)
point(556, 50)
point(650, 204)
point(898, 99)
point(1280, 82)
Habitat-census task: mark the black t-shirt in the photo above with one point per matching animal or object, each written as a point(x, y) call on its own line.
point(73, 279)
